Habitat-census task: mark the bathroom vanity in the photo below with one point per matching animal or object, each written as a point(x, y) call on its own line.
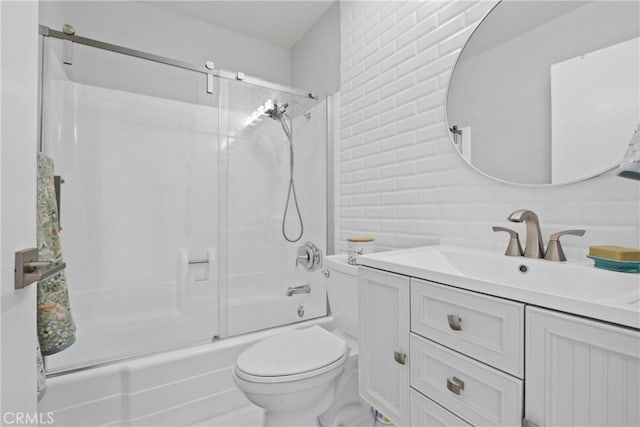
point(460, 337)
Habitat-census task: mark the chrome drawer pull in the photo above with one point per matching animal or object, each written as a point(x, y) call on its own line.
point(454, 322)
point(400, 358)
point(455, 385)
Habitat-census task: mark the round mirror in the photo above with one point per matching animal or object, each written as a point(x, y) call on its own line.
point(547, 92)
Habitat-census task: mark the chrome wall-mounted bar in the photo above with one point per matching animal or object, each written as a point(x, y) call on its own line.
point(225, 74)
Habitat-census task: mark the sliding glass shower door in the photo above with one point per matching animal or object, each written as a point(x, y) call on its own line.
point(260, 263)
point(136, 144)
point(173, 203)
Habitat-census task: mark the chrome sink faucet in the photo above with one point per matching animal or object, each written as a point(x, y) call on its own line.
point(534, 247)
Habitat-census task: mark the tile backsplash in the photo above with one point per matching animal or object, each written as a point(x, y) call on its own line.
point(401, 179)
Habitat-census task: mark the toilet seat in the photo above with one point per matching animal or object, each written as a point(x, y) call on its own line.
point(292, 356)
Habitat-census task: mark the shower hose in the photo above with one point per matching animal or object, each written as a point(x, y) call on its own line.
point(288, 130)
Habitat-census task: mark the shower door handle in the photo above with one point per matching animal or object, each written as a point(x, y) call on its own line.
point(57, 186)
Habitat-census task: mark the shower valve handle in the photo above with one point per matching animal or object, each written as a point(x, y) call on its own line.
point(309, 256)
point(302, 259)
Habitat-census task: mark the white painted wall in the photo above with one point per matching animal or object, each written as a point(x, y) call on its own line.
point(143, 26)
point(401, 179)
point(315, 59)
point(580, 97)
point(18, 124)
point(519, 69)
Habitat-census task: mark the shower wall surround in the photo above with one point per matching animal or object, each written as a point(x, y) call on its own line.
point(401, 179)
point(158, 175)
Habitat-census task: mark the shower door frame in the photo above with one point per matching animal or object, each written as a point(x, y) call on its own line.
point(208, 69)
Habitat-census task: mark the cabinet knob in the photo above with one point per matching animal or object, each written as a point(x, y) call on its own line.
point(454, 385)
point(454, 322)
point(400, 358)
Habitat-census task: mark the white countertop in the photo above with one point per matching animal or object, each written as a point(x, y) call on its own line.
point(572, 287)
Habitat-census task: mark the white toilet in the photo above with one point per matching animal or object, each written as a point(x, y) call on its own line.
point(309, 377)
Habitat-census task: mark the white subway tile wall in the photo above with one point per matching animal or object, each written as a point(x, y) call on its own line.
point(401, 180)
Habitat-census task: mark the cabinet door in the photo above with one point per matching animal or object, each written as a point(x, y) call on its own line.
point(384, 337)
point(580, 372)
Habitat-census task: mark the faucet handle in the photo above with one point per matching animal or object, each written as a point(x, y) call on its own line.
point(514, 248)
point(554, 250)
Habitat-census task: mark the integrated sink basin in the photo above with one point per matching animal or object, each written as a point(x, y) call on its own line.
point(572, 286)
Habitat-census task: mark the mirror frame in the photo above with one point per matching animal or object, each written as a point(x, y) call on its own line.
point(453, 144)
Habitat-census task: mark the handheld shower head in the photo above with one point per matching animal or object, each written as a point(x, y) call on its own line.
point(277, 111)
point(271, 113)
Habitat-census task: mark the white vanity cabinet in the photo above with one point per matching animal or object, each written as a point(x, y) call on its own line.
point(436, 354)
point(580, 372)
point(384, 343)
point(467, 353)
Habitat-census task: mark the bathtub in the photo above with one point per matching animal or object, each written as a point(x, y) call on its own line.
point(115, 325)
point(175, 388)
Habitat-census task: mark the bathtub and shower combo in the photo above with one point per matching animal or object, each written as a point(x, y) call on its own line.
point(186, 192)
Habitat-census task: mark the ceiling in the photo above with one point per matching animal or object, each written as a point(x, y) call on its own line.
point(279, 22)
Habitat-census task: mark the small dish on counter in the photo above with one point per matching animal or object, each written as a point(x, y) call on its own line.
point(616, 265)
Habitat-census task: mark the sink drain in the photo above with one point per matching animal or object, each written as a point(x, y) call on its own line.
point(523, 268)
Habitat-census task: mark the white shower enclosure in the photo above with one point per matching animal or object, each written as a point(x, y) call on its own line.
point(172, 203)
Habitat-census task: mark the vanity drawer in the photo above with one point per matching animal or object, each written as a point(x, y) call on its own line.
point(486, 328)
point(425, 412)
point(475, 392)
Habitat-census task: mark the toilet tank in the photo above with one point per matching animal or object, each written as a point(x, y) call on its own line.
point(342, 289)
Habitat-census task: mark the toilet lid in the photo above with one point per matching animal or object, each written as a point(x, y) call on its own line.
point(292, 353)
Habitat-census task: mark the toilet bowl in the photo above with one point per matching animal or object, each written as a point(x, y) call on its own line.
point(292, 375)
point(309, 377)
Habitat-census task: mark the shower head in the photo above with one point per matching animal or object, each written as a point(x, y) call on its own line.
point(277, 111)
point(272, 113)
